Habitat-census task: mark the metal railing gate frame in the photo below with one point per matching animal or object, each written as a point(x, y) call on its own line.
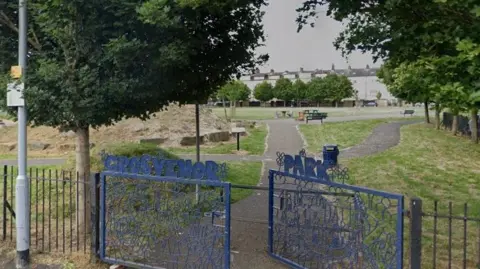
point(356, 189)
point(102, 218)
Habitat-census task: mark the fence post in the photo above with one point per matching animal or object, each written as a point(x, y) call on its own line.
point(4, 220)
point(415, 233)
point(95, 215)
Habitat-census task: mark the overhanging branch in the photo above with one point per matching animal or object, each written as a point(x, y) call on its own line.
point(6, 21)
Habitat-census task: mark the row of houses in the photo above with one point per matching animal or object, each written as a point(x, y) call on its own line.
point(364, 81)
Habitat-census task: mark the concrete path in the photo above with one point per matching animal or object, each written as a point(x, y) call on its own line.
point(249, 216)
point(383, 137)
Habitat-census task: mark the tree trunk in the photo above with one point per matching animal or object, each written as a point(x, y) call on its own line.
point(437, 116)
point(427, 114)
point(225, 109)
point(474, 128)
point(82, 151)
point(284, 103)
point(233, 106)
point(455, 124)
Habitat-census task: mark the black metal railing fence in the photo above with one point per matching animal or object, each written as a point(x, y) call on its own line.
point(59, 209)
point(442, 235)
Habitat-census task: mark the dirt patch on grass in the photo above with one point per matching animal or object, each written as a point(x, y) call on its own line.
point(169, 126)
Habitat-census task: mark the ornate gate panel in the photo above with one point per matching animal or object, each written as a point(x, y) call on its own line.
point(163, 222)
point(317, 223)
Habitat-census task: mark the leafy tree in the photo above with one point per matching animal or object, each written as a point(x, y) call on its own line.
point(317, 90)
point(94, 63)
point(283, 90)
point(300, 91)
point(469, 55)
point(379, 95)
point(338, 87)
point(396, 30)
point(263, 91)
point(234, 91)
point(414, 83)
point(453, 96)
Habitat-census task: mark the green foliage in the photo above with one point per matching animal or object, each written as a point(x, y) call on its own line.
point(317, 90)
point(263, 91)
point(338, 87)
point(283, 89)
point(411, 83)
point(453, 96)
point(385, 73)
point(234, 90)
point(300, 89)
point(98, 62)
point(379, 95)
point(431, 49)
point(123, 149)
point(397, 30)
point(137, 149)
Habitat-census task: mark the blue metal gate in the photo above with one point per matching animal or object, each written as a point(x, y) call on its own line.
point(315, 222)
point(161, 220)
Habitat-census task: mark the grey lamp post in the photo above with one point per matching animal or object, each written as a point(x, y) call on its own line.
point(22, 198)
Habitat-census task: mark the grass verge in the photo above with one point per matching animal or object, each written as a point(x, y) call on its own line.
point(434, 166)
point(8, 157)
point(344, 134)
point(266, 113)
point(253, 144)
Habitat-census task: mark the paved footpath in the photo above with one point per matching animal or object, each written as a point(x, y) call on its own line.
point(250, 216)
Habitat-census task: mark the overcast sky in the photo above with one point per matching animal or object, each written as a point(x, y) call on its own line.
point(312, 48)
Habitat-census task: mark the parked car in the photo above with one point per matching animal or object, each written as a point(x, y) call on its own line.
point(370, 104)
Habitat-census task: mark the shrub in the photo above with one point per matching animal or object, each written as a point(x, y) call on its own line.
point(129, 149)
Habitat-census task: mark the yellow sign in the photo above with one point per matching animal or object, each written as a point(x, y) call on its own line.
point(16, 71)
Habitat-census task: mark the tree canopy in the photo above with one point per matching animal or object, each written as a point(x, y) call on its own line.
point(93, 63)
point(233, 91)
point(96, 63)
point(430, 49)
point(338, 87)
point(263, 91)
point(317, 90)
point(299, 90)
point(283, 89)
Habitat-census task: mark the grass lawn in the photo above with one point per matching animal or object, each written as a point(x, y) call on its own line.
point(265, 113)
point(8, 156)
point(253, 144)
point(243, 173)
point(4, 115)
point(434, 166)
point(344, 134)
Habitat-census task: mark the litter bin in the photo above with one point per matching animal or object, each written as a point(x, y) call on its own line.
point(330, 154)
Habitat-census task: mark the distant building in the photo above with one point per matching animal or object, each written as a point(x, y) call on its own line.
point(364, 80)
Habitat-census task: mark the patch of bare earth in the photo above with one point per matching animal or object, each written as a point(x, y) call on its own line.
point(168, 126)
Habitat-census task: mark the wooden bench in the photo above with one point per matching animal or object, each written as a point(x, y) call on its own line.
point(315, 116)
point(407, 112)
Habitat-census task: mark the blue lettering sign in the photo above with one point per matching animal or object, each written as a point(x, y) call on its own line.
point(150, 165)
point(305, 166)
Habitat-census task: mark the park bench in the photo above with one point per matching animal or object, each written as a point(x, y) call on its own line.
point(315, 116)
point(407, 112)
